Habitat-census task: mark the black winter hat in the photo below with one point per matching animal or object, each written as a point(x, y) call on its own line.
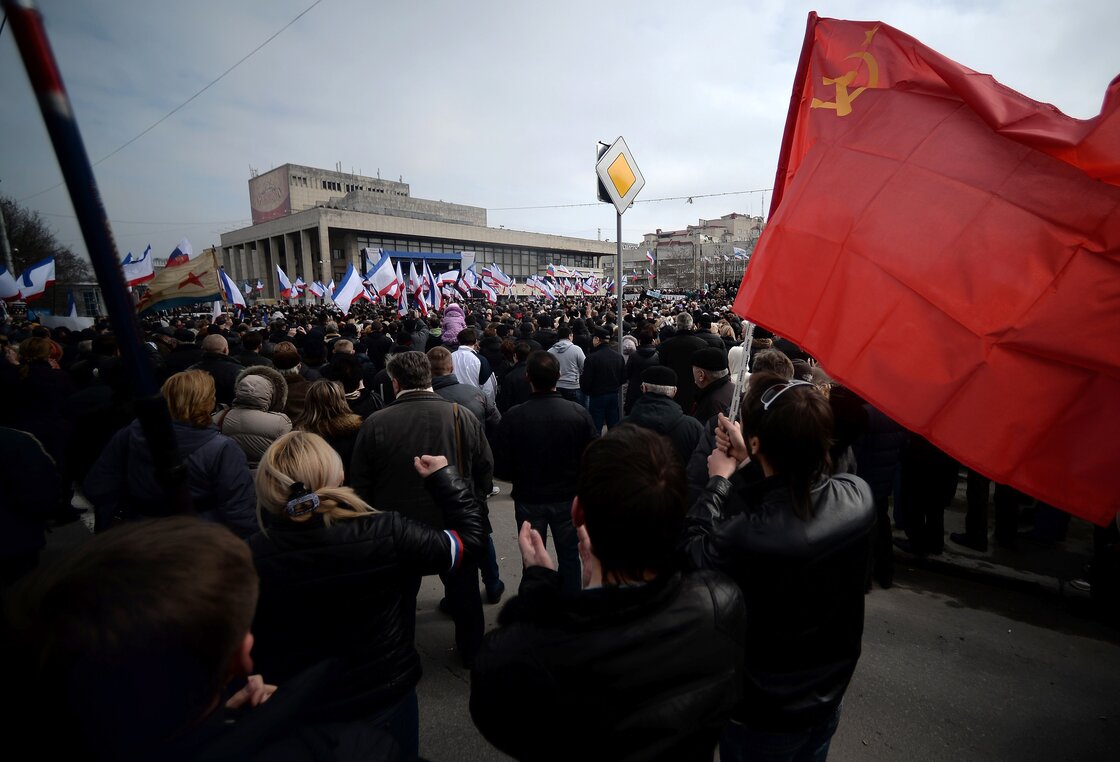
point(659, 375)
point(709, 358)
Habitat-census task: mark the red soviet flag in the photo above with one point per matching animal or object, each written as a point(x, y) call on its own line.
point(950, 249)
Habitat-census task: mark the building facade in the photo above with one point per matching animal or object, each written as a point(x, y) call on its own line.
point(313, 223)
point(704, 253)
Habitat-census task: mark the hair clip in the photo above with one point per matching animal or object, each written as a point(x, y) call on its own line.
point(302, 500)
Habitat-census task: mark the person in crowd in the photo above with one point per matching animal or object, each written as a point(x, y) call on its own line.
point(676, 353)
point(326, 413)
point(571, 359)
point(33, 490)
point(656, 411)
point(797, 543)
point(454, 321)
point(124, 484)
point(646, 661)
point(446, 385)
point(644, 357)
point(335, 575)
point(706, 331)
point(878, 454)
point(604, 373)
point(136, 643)
point(348, 371)
point(256, 418)
point(287, 360)
point(251, 344)
point(714, 385)
point(545, 336)
point(217, 362)
point(471, 368)
point(420, 421)
point(538, 448)
point(928, 483)
point(514, 388)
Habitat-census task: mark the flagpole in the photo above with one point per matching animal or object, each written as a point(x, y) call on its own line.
point(58, 116)
point(618, 269)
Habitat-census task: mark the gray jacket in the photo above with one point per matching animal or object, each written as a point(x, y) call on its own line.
point(256, 419)
point(571, 359)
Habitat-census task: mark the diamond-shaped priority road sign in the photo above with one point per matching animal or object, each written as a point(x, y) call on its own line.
point(620, 175)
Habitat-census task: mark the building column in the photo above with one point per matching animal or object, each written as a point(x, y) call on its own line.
point(325, 244)
point(310, 272)
point(264, 252)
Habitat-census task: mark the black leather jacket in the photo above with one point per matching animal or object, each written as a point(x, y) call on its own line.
point(337, 592)
point(802, 582)
point(612, 673)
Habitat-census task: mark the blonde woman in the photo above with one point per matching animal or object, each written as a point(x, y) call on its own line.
point(333, 574)
point(123, 482)
point(327, 414)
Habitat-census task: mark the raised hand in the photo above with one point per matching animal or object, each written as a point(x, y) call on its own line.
point(426, 465)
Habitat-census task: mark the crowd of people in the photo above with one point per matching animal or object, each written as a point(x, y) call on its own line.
point(259, 600)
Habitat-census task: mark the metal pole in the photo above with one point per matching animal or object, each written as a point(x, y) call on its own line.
point(618, 269)
point(54, 103)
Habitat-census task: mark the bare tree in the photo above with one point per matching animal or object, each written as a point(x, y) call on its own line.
point(31, 240)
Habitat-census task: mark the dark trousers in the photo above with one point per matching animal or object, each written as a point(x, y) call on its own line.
point(604, 410)
point(491, 575)
point(1006, 501)
point(464, 602)
point(575, 395)
point(881, 559)
point(741, 743)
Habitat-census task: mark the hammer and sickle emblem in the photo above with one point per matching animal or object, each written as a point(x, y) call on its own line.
point(843, 103)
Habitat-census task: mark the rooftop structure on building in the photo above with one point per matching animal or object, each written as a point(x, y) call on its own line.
point(314, 222)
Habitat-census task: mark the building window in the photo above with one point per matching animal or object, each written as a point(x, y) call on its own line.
point(89, 299)
point(336, 254)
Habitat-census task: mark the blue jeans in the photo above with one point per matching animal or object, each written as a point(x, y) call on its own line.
point(603, 409)
point(541, 516)
point(402, 722)
point(740, 743)
point(488, 564)
point(575, 395)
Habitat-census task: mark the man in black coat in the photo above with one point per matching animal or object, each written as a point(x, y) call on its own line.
point(646, 356)
point(420, 422)
point(676, 353)
point(643, 661)
point(657, 411)
point(602, 378)
point(515, 388)
point(538, 448)
point(217, 362)
point(713, 383)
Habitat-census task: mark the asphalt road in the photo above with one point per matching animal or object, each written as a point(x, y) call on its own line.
point(952, 669)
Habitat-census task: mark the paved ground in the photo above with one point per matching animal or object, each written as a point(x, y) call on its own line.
point(969, 656)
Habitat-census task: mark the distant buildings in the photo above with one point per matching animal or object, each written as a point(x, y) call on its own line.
point(315, 222)
point(704, 253)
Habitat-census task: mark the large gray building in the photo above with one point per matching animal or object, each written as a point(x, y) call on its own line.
point(314, 222)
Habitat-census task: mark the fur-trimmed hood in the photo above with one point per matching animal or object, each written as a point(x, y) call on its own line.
point(279, 385)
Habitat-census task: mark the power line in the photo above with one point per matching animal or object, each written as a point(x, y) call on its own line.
point(147, 222)
point(166, 116)
point(688, 199)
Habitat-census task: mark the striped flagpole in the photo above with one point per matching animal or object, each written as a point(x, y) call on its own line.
point(54, 103)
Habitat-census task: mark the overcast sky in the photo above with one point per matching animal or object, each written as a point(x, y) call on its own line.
point(492, 104)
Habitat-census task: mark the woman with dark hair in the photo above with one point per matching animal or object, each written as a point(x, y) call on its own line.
point(796, 541)
point(328, 415)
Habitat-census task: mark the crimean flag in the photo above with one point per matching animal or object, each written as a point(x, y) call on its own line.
point(193, 282)
point(950, 249)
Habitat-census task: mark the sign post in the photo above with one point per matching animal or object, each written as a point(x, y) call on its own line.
point(620, 177)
